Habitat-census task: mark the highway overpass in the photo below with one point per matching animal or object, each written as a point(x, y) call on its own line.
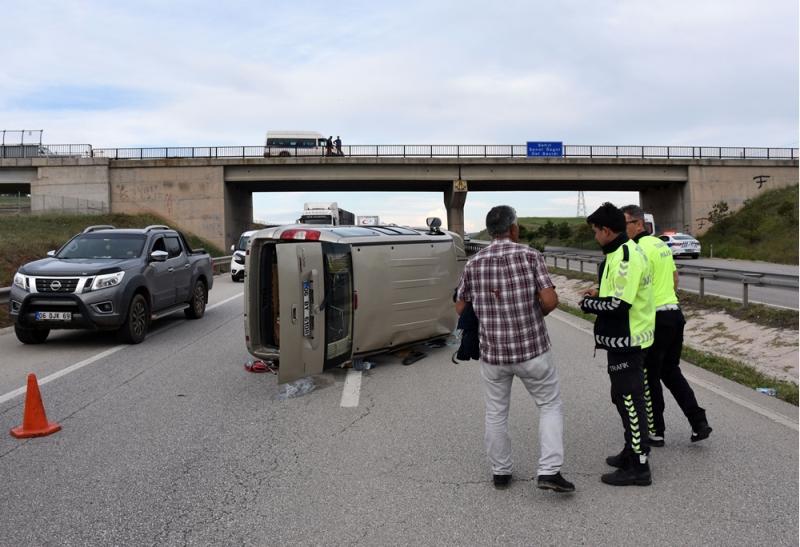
point(212, 195)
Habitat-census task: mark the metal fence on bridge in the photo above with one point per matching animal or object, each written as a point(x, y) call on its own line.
point(452, 151)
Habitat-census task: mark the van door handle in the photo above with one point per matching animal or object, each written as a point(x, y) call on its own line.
point(170, 269)
point(294, 314)
point(186, 266)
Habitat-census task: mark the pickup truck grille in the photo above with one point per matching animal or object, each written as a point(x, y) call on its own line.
point(59, 285)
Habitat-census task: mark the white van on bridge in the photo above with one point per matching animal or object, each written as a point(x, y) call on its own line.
point(294, 143)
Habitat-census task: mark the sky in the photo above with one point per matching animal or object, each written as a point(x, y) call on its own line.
point(203, 73)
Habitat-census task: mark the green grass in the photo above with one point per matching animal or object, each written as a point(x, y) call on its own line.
point(24, 238)
point(765, 228)
point(722, 366)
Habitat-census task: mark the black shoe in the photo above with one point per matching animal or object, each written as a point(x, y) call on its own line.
point(702, 431)
point(636, 474)
point(501, 481)
point(556, 483)
point(622, 459)
point(656, 440)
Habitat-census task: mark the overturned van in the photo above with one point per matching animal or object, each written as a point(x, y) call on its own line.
point(318, 297)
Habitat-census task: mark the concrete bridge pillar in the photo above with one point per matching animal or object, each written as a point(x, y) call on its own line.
point(454, 199)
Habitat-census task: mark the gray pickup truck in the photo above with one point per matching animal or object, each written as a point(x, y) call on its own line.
point(111, 279)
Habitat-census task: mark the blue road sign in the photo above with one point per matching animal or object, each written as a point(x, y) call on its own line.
point(545, 148)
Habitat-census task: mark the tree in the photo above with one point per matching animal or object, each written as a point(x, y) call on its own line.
point(548, 230)
point(564, 231)
point(718, 212)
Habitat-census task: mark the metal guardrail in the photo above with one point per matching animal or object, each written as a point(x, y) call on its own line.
point(746, 278)
point(451, 151)
point(46, 151)
point(220, 265)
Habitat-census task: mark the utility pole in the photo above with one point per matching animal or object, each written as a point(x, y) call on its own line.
point(581, 204)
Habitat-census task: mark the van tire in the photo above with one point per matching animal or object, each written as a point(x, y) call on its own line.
point(696, 255)
point(197, 304)
point(137, 321)
point(31, 336)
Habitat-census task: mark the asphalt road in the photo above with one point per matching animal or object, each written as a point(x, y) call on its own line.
point(173, 442)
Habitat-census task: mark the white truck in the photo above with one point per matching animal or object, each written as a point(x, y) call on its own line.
point(326, 213)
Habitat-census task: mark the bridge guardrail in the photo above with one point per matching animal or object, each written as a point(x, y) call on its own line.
point(746, 278)
point(451, 151)
point(219, 264)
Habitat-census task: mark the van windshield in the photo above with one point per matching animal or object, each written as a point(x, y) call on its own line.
point(338, 303)
point(242, 245)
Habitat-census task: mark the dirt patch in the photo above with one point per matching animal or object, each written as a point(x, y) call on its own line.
point(772, 351)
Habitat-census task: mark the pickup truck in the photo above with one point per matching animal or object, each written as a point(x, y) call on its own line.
point(111, 279)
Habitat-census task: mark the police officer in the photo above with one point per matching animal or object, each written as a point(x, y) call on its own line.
point(663, 360)
point(624, 328)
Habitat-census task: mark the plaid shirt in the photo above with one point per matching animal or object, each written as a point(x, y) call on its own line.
point(501, 281)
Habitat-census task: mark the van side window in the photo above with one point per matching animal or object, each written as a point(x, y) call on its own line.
point(173, 246)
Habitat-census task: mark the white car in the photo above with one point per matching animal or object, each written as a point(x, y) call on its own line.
point(237, 260)
point(681, 244)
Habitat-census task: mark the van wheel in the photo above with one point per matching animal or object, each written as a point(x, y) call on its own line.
point(31, 336)
point(134, 329)
point(284, 154)
point(197, 305)
point(696, 255)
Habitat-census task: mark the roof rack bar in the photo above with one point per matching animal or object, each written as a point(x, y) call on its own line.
point(98, 227)
point(156, 227)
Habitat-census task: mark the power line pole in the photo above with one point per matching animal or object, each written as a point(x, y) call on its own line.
point(581, 204)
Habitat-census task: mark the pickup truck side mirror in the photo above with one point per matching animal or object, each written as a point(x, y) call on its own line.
point(51, 253)
point(159, 256)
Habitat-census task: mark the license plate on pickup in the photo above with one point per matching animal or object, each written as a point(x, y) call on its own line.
point(53, 316)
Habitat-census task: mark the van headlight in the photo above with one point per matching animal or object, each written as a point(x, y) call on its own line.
point(21, 281)
point(107, 280)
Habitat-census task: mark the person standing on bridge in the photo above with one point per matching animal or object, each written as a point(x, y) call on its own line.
point(663, 360)
point(338, 144)
point(511, 292)
point(624, 328)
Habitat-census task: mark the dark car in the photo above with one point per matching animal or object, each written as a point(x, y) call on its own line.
point(110, 279)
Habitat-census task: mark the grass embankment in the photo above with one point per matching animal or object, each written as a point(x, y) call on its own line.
point(727, 368)
point(24, 238)
point(765, 228)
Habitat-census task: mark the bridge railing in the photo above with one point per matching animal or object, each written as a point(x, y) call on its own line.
point(45, 151)
point(744, 277)
point(450, 151)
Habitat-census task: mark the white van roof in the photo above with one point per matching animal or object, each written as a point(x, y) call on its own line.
point(291, 134)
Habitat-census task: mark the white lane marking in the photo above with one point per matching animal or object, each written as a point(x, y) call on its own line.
point(777, 418)
point(352, 389)
point(72, 368)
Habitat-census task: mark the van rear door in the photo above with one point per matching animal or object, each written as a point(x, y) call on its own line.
point(301, 281)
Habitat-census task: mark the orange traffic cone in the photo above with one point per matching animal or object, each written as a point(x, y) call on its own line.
point(34, 420)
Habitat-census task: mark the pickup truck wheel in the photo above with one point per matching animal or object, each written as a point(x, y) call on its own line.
point(31, 336)
point(134, 329)
point(197, 305)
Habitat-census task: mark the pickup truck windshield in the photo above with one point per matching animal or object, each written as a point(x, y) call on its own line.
point(242, 245)
point(109, 246)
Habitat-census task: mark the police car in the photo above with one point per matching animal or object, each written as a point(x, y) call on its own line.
point(681, 244)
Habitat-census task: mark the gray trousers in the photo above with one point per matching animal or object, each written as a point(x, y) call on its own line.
point(540, 378)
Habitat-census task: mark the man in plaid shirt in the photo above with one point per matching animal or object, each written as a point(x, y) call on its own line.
point(511, 292)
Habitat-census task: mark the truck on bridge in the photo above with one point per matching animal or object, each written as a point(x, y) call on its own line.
point(326, 213)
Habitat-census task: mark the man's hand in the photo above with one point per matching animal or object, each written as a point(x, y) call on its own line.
point(460, 305)
point(591, 292)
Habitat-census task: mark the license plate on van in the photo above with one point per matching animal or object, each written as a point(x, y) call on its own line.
point(308, 324)
point(53, 316)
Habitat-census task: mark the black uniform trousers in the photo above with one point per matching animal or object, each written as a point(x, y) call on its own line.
point(663, 364)
point(626, 373)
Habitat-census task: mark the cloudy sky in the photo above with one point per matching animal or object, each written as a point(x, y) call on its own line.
point(198, 73)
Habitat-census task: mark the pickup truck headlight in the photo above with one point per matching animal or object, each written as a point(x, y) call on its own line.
point(107, 280)
point(239, 259)
point(21, 281)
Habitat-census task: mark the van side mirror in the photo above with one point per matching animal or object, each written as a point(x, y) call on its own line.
point(159, 256)
point(233, 248)
point(51, 253)
point(434, 223)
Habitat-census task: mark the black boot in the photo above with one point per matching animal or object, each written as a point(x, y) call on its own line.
point(621, 460)
point(636, 472)
point(700, 431)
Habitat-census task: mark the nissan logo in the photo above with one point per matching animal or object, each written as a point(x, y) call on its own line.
point(55, 285)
